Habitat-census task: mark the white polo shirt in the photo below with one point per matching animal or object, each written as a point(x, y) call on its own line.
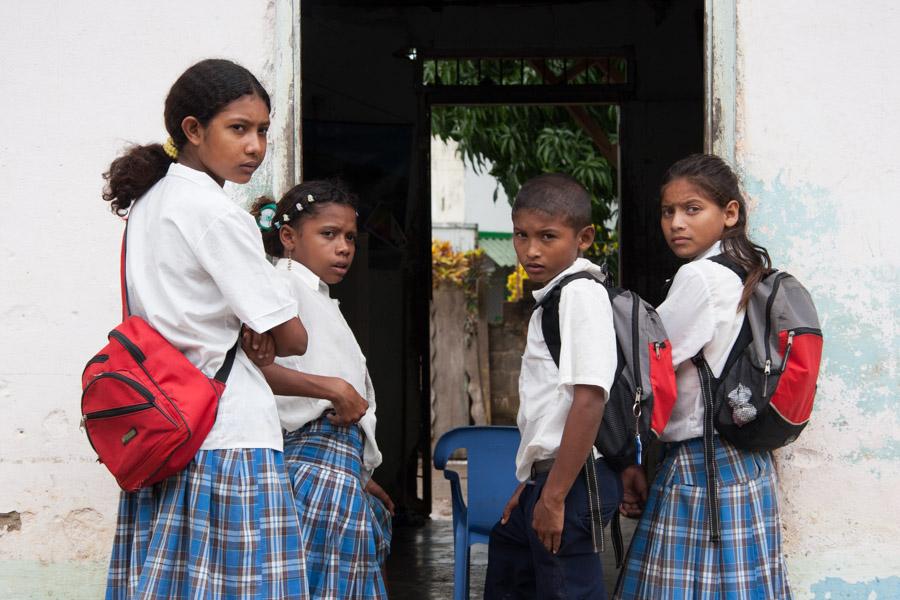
point(700, 313)
point(333, 352)
point(587, 357)
point(196, 270)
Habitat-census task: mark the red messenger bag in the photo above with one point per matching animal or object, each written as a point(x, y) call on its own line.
point(145, 407)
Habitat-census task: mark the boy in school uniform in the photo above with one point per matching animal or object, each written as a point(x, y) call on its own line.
point(545, 545)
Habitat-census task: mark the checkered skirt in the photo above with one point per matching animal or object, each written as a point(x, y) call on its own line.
point(346, 532)
point(671, 556)
point(224, 528)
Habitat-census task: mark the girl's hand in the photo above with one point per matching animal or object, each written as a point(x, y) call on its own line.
point(634, 491)
point(259, 347)
point(349, 406)
point(377, 491)
point(512, 504)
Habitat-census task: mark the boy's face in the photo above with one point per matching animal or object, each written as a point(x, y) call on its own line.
point(546, 244)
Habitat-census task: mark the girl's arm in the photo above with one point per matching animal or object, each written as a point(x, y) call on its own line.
point(290, 338)
point(687, 314)
point(349, 406)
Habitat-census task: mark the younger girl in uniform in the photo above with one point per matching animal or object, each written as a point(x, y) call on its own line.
point(226, 526)
point(325, 398)
point(671, 555)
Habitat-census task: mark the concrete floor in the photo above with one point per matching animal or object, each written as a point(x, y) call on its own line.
point(421, 563)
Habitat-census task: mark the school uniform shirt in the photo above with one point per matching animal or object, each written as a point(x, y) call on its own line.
point(196, 270)
point(332, 351)
point(587, 357)
point(700, 312)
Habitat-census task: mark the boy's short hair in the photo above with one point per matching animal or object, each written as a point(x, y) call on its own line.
point(557, 195)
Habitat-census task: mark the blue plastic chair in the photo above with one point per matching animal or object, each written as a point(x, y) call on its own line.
point(491, 453)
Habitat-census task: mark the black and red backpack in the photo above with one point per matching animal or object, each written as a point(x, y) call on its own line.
point(764, 396)
point(643, 391)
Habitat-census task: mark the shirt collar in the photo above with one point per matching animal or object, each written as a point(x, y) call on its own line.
point(713, 250)
point(580, 264)
point(302, 272)
point(198, 177)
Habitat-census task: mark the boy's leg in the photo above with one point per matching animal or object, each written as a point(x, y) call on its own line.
point(576, 570)
point(510, 573)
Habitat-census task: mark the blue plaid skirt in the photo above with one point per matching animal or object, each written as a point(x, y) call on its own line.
point(346, 532)
point(671, 556)
point(224, 528)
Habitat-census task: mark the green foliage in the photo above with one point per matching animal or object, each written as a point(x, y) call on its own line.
point(516, 143)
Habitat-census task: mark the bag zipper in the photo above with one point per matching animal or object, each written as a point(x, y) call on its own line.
point(638, 381)
point(99, 358)
point(130, 346)
point(767, 368)
point(136, 386)
point(117, 412)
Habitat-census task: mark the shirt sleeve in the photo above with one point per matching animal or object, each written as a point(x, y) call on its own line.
point(588, 341)
point(232, 253)
point(687, 314)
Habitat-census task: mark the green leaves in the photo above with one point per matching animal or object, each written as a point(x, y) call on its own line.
point(516, 143)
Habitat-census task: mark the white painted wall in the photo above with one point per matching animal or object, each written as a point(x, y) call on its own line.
point(817, 130)
point(461, 196)
point(79, 81)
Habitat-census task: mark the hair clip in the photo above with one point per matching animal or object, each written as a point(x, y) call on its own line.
point(309, 198)
point(266, 216)
point(170, 148)
point(286, 218)
point(299, 207)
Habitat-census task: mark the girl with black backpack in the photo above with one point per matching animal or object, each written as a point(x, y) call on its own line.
point(698, 539)
point(225, 526)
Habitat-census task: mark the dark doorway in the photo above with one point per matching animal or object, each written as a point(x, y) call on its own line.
point(363, 113)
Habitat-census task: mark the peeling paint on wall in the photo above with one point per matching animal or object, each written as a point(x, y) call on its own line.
point(816, 155)
point(832, 588)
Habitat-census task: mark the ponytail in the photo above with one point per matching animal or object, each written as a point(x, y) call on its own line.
point(131, 175)
point(713, 175)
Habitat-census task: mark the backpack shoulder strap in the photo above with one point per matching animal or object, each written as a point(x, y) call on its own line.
point(550, 316)
point(727, 262)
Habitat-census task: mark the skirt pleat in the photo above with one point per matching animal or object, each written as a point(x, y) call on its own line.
point(223, 528)
point(671, 557)
point(346, 532)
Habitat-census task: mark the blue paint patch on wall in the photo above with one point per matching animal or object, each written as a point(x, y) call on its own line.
point(798, 219)
point(833, 588)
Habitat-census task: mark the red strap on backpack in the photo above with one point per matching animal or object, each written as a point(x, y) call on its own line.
point(146, 409)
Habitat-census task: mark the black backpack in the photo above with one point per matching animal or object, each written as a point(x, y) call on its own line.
point(643, 391)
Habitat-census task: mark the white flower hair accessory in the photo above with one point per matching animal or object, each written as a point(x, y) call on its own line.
point(299, 207)
point(309, 198)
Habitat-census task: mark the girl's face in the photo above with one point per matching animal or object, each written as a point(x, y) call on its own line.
point(691, 221)
point(233, 144)
point(325, 241)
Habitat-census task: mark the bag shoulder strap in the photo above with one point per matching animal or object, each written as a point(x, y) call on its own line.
point(727, 262)
point(550, 316)
point(126, 312)
point(225, 370)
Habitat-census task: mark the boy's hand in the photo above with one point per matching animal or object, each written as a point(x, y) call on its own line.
point(377, 491)
point(548, 522)
point(259, 347)
point(349, 406)
point(634, 491)
point(512, 504)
